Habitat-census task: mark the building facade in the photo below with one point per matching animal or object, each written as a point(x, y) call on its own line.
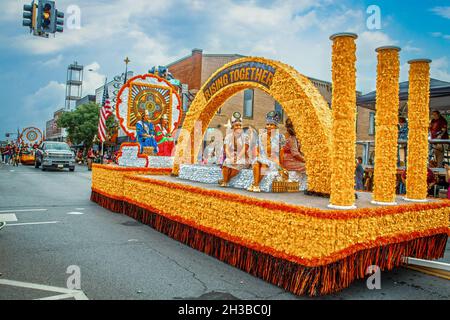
point(52, 131)
point(85, 100)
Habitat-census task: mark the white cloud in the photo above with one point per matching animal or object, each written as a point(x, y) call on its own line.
point(110, 22)
point(440, 69)
point(436, 34)
point(293, 31)
point(440, 35)
point(53, 62)
point(40, 106)
point(442, 11)
point(12, 10)
point(410, 48)
point(92, 78)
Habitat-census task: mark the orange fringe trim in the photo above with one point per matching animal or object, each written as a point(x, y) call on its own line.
point(291, 273)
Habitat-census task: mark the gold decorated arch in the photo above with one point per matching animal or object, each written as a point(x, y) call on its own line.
point(300, 99)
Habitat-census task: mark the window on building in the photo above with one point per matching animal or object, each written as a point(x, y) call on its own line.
point(279, 110)
point(248, 103)
point(185, 102)
point(372, 123)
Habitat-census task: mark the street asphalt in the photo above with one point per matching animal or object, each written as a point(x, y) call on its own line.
point(119, 258)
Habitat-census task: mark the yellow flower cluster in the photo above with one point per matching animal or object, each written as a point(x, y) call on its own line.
point(108, 179)
point(418, 118)
point(305, 236)
point(388, 72)
point(301, 101)
point(344, 120)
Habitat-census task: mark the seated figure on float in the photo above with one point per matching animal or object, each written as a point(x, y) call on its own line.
point(236, 147)
point(269, 157)
point(213, 153)
point(164, 137)
point(293, 158)
point(146, 134)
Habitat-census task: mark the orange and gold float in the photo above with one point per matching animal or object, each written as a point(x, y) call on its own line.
point(293, 241)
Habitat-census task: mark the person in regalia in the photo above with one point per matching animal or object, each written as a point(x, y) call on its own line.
point(146, 133)
point(293, 158)
point(270, 152)
point(235, 147)
point(164, 137)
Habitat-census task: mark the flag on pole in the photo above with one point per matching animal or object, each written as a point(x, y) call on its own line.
point(105, 112)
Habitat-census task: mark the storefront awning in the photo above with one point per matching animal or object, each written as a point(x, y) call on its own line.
point(439, 96)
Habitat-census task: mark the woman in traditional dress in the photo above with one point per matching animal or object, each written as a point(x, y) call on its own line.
point(269, 151)
point(164, 137)
point(236, 147)
point(293, 159)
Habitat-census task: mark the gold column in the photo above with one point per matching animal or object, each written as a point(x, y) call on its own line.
point(418, 122)
point(386, 126)
point(344, 121)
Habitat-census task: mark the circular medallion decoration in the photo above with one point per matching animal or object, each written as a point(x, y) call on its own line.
point(31, 136)
point(147, 93)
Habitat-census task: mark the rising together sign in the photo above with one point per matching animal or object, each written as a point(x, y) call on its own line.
point(258, 72)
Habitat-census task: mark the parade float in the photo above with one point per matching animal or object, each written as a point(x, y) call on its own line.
point(315, 242)
point(29, 138)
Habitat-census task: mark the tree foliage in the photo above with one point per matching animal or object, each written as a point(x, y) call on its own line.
point(81, 124)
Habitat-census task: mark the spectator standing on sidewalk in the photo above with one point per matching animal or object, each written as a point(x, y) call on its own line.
point(438, 130)
point(7, 153)
point(359, 175)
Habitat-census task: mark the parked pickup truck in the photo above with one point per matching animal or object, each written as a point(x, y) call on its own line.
point(51, 154)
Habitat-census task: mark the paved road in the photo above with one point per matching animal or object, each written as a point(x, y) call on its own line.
point(119, 258)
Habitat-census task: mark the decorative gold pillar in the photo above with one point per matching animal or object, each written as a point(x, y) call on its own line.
point(418, 122)
point(344, 121)
point(386, 126)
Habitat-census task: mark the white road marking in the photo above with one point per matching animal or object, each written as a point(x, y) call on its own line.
point(23, 210)
point(67, 293)
point(133, 240)
point(75, 213)
point(8, 217)
point(32, 223)
point(58, 297)
point(79, 209)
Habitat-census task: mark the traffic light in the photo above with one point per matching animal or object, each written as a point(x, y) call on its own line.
point(59, 23)
point(46, 16)
point(29, 16)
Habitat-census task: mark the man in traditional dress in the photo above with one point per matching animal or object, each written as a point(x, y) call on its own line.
point(146, 133)
point(164, 137)
point(269, 151)
point(236, 147)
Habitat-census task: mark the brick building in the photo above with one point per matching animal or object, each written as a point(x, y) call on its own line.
point(194, 71)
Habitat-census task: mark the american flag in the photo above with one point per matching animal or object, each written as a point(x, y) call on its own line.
point(105, 112)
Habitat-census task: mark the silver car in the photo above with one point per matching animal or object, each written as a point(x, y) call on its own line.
point(57, 155)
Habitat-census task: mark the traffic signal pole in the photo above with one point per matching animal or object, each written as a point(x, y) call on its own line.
point(42, 18)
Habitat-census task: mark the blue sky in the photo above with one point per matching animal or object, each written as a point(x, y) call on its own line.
point(157, 32)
